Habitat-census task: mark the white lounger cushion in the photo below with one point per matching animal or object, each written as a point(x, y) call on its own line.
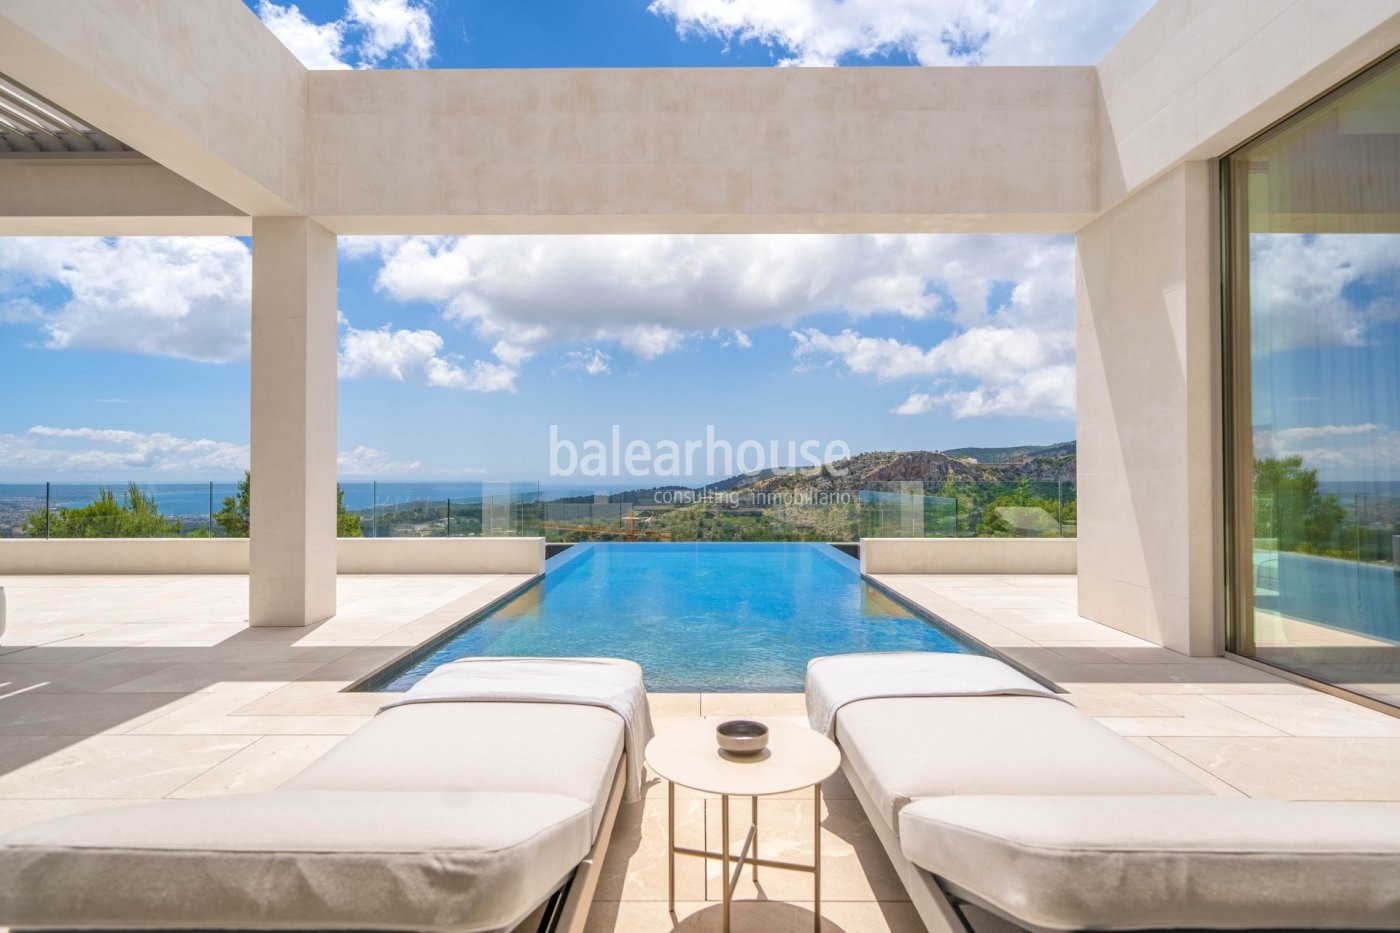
point(905, 748)
point(543, 748)
point(1126, 863)
point(384, 860)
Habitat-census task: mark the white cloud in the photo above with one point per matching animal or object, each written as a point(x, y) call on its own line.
point(319, 46)
point(1366, 451)
point(918, 403)
point(1013, 370)
point(393, 26)
point(592, 362)
point(1321, 290)
point(43, 450)
point(374, 31)
point(932, 32)
point(650, 294)
point(1292, 436)
point(1038, 393)
point(403, 355)
point(188, 297)
point(366, 461)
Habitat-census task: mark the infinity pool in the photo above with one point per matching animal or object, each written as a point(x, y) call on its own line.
point(696, 617)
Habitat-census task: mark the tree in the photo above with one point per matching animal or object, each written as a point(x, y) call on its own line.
point(1289, 507)
point(233, 517)
point(136, 516)
point(346, 524)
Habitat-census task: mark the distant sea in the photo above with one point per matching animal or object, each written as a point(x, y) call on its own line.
point(193, 500)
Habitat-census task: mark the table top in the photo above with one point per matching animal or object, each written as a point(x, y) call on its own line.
point(796, 757)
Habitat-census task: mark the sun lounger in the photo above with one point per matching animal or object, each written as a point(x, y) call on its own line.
point(1018, 812)
point(457, 814)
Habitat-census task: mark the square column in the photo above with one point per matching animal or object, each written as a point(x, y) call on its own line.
point(292, 518)
point(1148, 415)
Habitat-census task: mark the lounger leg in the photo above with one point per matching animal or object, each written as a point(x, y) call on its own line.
point(671, 845)
point(817, 858)
point(724, 856)
point(755, 840)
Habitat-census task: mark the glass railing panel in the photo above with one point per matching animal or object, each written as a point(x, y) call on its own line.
point(23, 510)
point(130, 510)
point(471, 509)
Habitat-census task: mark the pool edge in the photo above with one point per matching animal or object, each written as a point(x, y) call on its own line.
point(937, 620)
point(369, 682)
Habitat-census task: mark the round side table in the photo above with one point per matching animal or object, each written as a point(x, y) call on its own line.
point(796, 757)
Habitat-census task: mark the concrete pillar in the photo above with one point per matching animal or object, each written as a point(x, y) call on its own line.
point(1147, 422)
point(292, 522)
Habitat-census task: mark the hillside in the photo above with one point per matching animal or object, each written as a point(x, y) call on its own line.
point(1050, 463)
point(988, 455)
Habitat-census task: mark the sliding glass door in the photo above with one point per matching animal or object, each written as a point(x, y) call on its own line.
point(1312, 272)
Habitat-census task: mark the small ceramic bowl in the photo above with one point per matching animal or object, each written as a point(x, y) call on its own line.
point(742, 736)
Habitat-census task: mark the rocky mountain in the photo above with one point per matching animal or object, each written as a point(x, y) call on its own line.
point(929, 467)
point(1051, 463)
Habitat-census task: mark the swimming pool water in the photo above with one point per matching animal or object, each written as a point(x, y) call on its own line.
point(697, 617)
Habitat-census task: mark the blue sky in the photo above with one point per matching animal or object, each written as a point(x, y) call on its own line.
point(458, 354)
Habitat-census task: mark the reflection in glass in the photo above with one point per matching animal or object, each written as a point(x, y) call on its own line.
point(1315, 305)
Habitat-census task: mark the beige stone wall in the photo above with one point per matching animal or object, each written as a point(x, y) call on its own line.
point(230, 555)
point(703, 149)
point(123, 556)
point(201, 86)
point(440, 555)
point(1147, 422)
point(1195, 78)
point(967, 555)
point(108, 197)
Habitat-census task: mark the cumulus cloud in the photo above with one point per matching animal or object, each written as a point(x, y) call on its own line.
point(1319, 290)
point(650, 294)
point(1337, 451)
point(371, 33)
point(188, 297)
point(367, 461)
point(1012, 370)
point(45, 450)
point(319, 46)
point(415, 355)
point(918, 403)
point(931, 32)
point(393, 27)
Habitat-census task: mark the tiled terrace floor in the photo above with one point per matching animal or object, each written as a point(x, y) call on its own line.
point(128, 688)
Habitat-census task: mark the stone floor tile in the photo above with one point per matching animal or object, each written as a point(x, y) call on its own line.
point(635, 867)
point(78, 714)
point(854, 864)
point(1196, 772)
point(1314, 714)
point(674, 704)
point(263, 765)
point(120, 766)
point(1297, 768)
point(1189, 715)
point(753, 705)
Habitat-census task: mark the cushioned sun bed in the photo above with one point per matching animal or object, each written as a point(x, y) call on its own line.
point(1018, 812)
point(461, 817)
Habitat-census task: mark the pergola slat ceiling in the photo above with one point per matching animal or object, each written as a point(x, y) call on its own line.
point(31, 124)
